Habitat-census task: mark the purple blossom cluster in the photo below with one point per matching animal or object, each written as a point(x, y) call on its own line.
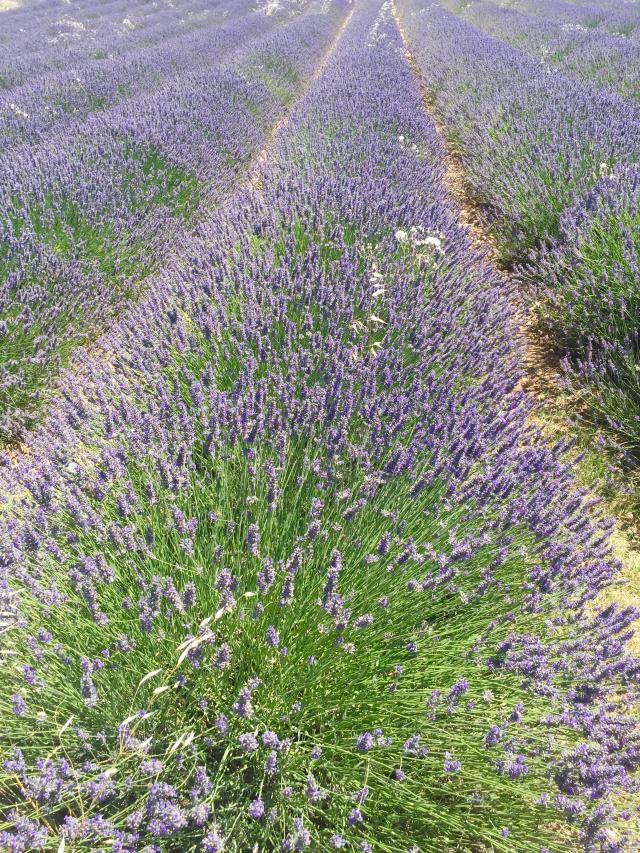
point(530, 142)
point(298, 474)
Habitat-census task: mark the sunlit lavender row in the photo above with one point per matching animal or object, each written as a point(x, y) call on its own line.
point(285, 565)
point(99, 175)
point(599, 44)
point(552, 165)
point(48, 37)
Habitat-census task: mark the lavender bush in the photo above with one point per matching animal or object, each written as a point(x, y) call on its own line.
point(289, 570)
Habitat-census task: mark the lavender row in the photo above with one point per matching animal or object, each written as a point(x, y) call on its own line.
point(605, 15)
point(288, 570)
point(194, 38)
point(549, 160)
point(49, 36)
point(86, 213)
point(597, 51)
point(65, 98)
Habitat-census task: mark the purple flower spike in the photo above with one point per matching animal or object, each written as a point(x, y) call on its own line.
point(256, 809)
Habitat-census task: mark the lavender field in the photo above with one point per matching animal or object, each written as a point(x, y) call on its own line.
point(288, 559)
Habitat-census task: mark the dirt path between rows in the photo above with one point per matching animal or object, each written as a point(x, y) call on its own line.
point(540, 364)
